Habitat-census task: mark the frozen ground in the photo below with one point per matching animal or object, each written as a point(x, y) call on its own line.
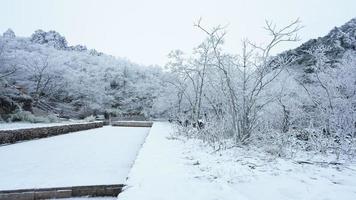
point(169, 168)
point(22, 125)
point(92, 157)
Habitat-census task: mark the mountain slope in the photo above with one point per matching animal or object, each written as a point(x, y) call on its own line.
point(337, 42)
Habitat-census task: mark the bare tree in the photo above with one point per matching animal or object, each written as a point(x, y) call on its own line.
point(191, 79)
point(247, 78)
point(42, 77)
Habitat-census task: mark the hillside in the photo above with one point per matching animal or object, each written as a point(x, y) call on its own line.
point(338, 41)
point(42, 74)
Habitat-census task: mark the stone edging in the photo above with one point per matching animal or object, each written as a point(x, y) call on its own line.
point(62, 192)
point(132, 123)
point(13, 136)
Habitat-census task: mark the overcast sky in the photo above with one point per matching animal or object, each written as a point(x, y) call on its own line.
point(145, 31)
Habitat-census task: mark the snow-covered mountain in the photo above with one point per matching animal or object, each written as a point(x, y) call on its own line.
point(338, 41)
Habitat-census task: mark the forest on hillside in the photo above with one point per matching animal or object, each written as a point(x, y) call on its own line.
point(43, 75)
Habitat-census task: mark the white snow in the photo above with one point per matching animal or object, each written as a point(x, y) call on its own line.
point(92, 157)
point(90, 198)
point(24, 125)
point(172, 168)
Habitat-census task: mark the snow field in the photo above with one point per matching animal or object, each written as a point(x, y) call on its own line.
point(91, 157)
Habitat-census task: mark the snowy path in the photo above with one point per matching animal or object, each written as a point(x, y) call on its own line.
point(92, 157)
point(161, 173)
point(168, 168)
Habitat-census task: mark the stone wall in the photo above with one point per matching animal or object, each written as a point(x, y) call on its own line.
point(62, 192)
point(12, 136)
point(132, 123)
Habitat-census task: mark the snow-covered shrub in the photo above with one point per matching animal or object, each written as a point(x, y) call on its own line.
point(53, 118)
point(27, 117)
point(90, 118)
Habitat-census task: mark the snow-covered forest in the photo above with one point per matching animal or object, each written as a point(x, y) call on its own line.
point(42, 73)
point(300, 99)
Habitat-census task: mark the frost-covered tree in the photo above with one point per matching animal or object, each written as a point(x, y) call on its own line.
point(330, 93)
point(51, 38)
point(94, 52)
point(230, 88)
point(78, 48)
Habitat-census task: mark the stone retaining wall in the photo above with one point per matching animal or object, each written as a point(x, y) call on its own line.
point(132, 123)
point(62, 192)
point(12, 136)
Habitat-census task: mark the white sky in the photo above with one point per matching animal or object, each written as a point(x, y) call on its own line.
point(145, 31)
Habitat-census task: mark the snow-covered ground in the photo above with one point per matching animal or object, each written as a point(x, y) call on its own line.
point(170, 168)
point(23, 125)
point(91, 198)
point(92, 157)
